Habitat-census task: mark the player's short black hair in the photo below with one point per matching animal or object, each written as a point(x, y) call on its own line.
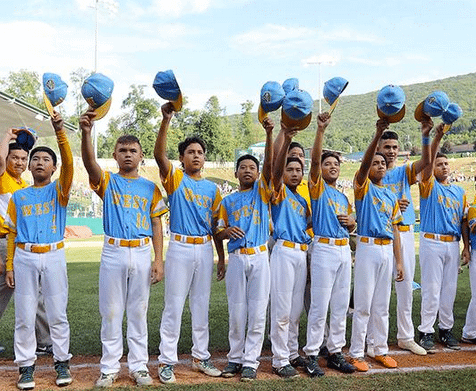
point(333, 154)
point(295, 144)
point(128, 139)
point(17, 147)
point(191, 140)
point(295, 159)
point(247, 157)
point(48, 150)
point(384, 157)
point(439, 154)
point(389, 135)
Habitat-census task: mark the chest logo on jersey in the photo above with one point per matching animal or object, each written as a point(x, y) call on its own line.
point(38, 209)
point(297, 206)
point(199, 199)
point(247, 211)
point(129, 201)
point(383, 207)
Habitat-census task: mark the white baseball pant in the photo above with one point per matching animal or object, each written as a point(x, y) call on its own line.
point(469, 329)
point(372, 286)
point(29, 269)
point(331, 270)
point(439, 263)
point(124, 284)
point(188, 272)
point(247, 289)
point(288, 268)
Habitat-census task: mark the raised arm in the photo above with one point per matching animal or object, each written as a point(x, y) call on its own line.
point(67, 166)
point(364, 169)
point(435, 144)
point(9, 136)
point(278, 144)
point(323, 121)
point(397, 252)
point(86, 123)
point(268, 125)
point(280, 159)
point(426, 126)
point(160, 153)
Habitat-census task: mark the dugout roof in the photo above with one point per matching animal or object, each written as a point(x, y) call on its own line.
point(15, 113)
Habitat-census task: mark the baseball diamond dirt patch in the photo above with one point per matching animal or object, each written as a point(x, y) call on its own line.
point(85, 369)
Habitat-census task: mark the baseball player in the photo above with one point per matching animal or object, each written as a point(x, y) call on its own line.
point(13, 162)
point(290, 214)
point(399, 180)
point(442, 213)
point(243, 218)
point(133, 207)
point(36, 219)
point(331, 262)
point(378, 243)
point(469, 329)
point(189, 260)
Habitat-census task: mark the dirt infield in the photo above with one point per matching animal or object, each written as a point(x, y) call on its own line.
point(85, 369)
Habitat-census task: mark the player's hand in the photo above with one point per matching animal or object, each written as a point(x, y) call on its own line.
point(345, 220)
point(439, 130)
point(156, 272)
point(168, 111)
point(234, 233)
point(381, 125)
point(323, 120)
point(268, 125)
point(10, 280)
point(403, 204)
point(221, 270)
point(288, 132)
point(57, 121)
point(400, 276)
point(465, 256)
point(426, 125)
point(86, 121)
point(12, 134)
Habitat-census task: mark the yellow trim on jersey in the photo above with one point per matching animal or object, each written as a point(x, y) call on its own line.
point(426, 186)
point(67, 168)
point(172, 181)
point(10, 250)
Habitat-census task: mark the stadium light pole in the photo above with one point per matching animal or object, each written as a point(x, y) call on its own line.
point(112, 7)
point(318, 61)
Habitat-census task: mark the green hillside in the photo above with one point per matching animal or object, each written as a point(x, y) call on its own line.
point(354, 118)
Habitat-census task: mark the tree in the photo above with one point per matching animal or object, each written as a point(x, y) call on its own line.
point(214, 131)
point(140, 119)
point(247, 130)
point(24, 85)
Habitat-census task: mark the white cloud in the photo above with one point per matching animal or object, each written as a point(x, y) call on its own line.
point(177, 8)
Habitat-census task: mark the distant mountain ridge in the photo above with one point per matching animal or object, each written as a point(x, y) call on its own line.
point(353, 121)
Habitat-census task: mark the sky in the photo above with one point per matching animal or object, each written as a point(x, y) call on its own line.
point(230, 48)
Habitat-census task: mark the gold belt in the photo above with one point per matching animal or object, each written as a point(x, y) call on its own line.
point(336, 242)
point(379, 241)
point(192, 239)
point(40, 248)
point(129, 242)
point(300, 246)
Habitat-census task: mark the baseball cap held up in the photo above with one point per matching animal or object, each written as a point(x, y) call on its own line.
point(433, 106)
point(451, 114)
point(54, 91)
point(97, 91)
point(26, 137)
point(271, 99)
point(297, 109)
point(290, 84)
point(166, 86)
point(391, 103)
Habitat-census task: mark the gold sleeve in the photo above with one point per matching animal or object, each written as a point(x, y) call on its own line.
point(67, 167)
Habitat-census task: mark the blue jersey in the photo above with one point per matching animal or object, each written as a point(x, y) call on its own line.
point(38, 214)
point(248, 210)
point(327, 202)
point(442, 207)
point(129, 204)
point(399, 180)
point(290, 213)
point(377, 210)
point(193, 203)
